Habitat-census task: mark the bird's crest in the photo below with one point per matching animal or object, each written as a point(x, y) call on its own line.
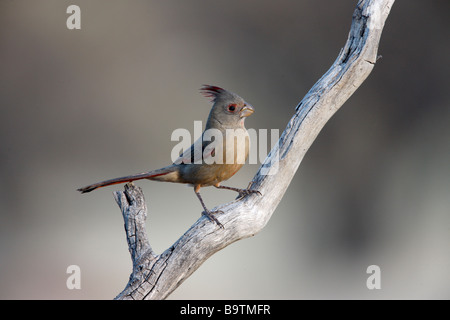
point(212, 92)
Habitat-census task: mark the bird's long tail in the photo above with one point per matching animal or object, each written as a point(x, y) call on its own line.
point(168, 174)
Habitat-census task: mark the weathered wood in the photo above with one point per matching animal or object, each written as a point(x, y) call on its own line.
point(156, 276)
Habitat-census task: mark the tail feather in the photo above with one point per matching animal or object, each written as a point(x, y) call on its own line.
point(169, 174)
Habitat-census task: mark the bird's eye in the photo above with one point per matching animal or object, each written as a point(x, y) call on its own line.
point(232, 107)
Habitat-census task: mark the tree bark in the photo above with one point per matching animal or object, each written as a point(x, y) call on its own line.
point(156, 276)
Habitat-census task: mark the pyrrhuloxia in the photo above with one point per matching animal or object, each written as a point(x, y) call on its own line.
point(227, 115)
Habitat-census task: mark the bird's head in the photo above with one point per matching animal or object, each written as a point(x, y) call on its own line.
point(229, 110)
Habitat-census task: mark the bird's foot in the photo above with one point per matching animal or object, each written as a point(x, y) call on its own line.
point(210, 215)
point(241, 192)
point(245, 192)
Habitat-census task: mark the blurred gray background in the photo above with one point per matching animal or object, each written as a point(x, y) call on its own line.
point(78, 106)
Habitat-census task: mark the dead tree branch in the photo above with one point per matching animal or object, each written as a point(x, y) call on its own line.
point(156, 276)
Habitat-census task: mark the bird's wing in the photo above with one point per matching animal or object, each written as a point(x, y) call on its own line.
point(198, 153)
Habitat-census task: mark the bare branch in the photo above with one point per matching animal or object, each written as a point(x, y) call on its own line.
point(156, 276)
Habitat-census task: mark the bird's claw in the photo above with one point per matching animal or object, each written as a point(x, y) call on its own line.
point(246, 192)
point(210, 215)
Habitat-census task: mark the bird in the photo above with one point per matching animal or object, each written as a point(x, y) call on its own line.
point(220, 157)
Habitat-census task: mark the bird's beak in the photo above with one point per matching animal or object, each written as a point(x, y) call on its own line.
point(246, 111)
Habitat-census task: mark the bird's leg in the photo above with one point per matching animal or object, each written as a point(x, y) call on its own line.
point(207, 213)
point(242, 192)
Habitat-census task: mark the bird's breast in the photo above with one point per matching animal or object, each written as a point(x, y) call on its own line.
point(220, 164)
